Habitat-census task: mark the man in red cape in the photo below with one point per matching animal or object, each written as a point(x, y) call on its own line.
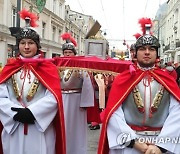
point(121, 87)
point(31, 110)
point(129, 114)
point(77, 94)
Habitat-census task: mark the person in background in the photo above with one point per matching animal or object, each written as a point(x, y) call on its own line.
point(102, 86)
point(93, 113)
point(161, 63)
point(78, 94)
point(133, 52)
point(143, 107)
point(31, 111)
point(178, 75)
point(171, 70)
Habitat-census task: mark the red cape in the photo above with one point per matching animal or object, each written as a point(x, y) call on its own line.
point(48, 75)
point(93, 63)
point(122, 86)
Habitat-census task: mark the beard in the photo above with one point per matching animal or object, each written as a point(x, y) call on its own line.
point(146, 65)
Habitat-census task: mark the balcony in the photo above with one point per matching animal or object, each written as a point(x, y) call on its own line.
point(172, 46)
point(167, 47)
point(4, 29)
point(177, 44)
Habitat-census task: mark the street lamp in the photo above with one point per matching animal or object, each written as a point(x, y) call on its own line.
point(18, 16)
point(17, 24)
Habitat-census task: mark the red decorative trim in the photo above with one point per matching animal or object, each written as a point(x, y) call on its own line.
point(145, 128)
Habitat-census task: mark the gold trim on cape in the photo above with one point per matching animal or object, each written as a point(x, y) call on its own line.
point(32, 91)
point(138, 100)
point(104, 72)
point(16, 88)
point(157, 99)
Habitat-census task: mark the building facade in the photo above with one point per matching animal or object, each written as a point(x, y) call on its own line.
point(167, 29)
point(55, 19)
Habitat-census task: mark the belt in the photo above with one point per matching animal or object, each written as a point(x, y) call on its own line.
point(148, 133)
point(70, 91)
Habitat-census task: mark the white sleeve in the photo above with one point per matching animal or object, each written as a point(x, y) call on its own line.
point(118, 132)
point(87, 93)
point(6, 114)
point(44, 110)
point(171, 128)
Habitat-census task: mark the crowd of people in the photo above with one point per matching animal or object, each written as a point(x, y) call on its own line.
point(43, 111)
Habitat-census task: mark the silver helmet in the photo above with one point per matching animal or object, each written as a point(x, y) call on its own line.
point(147, 39)
point(70, 43)
point(28, 31)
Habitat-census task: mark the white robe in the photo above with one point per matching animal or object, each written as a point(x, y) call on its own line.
point(76, 117)
point(171, 128)
point(41, 135)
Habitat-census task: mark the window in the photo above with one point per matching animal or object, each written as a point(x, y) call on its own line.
point(43, 29)
point(11, 51)
point(59, 38)
point(53, 33)
point(67, 29)
point(169, 59)
point(60, 10)
point(14, 13)
point(176, 15)
point(178, 58)
point(166, 60)
point(77, 40)
point(54, 6)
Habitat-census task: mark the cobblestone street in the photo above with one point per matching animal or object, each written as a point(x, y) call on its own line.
point(93, 138)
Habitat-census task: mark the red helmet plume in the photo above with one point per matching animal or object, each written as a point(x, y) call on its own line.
point(69, 38)
point(143, 22)
point(32, 16)
point(137, 35)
